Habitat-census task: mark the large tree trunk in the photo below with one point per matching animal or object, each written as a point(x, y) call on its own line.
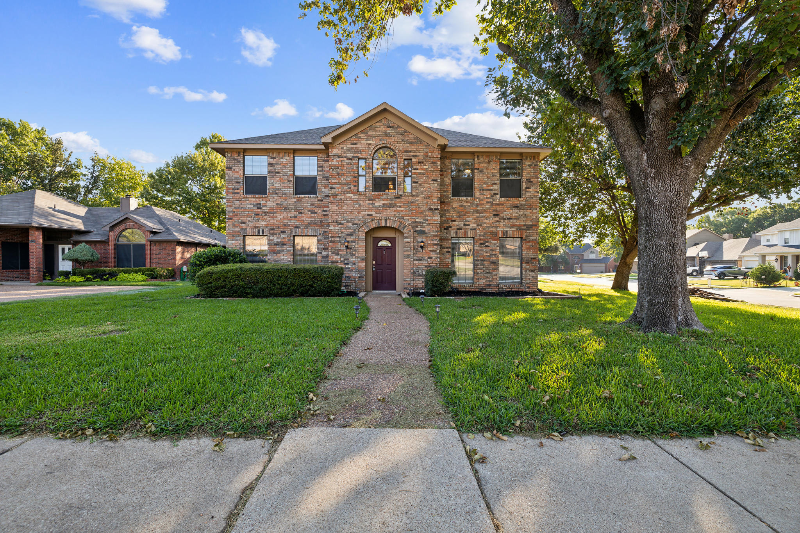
point(623, 274)
point(662, 199)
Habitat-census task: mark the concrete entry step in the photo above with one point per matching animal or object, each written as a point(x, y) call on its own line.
point(367, 480)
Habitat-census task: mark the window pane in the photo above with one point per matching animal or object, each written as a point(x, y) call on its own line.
point(305, 185)
point(15, 256)
point(462, 172)
point(462, 188)
point(305, 166)
point(305, 250)
point(362, 167)
point(131, 235)
point(510, 188)
point(256, 164)
point(384, 184)
point(510, 168)
point(362, 183)
point(407, 174)
point(407, 185)
point(24, 258)
point(384, 163)
point(256, 185)
point(462, 249)
point(124, 256)
point(255, 248)
point(139, 255)
point(510, 260)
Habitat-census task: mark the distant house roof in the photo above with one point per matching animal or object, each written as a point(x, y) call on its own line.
point(729, 250)
point(783, 226)
point(774, 249)
point(579, 249)
point(42, 209)
point(319, 138)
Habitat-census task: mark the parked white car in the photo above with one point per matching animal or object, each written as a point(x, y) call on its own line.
point(692, 271)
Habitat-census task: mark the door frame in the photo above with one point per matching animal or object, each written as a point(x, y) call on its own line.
point(377, 233)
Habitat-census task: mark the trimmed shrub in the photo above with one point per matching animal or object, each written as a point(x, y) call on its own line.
point(216, 255)
point(64, 273)
point(131, 277)
point(796, 274)
point(81, 254)
point(267, 280)
point(765, 274)
point(105, 274)
point(438, 280)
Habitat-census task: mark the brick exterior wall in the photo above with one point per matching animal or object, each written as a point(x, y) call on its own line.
point(340, 216)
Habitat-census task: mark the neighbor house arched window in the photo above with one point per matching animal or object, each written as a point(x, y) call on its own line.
point(130, 249)
point(384, 171)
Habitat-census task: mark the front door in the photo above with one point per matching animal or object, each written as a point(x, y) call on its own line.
point(62, 249)
point(383, 264)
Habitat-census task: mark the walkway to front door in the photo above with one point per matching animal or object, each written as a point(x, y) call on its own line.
point(384, 273)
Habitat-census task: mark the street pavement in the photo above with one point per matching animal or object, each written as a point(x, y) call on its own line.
point(18, 291)
point(777, 296)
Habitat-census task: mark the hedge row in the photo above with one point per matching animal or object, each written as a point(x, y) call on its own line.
point(266, 280)
point(111, 273)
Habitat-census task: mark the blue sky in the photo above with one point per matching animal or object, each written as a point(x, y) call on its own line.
point(145, 79)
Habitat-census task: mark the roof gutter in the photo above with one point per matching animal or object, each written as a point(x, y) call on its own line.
point(221, 147)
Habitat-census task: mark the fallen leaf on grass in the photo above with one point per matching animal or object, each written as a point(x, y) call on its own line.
point(772, 435)
point(487, 435)
point(606, 394)
point(742, 434)
point(545, 399)
point(330, 418)
point(628, 457)
point(555, 436)
point(219, 445)
point(89, 431)
point(703, 446)
point(470, 436)
point(499, 435)
point(312, 397)
point(517, 423)
point(741, 394)
point(150, 428)
point(541, 444)
point(381, 399)
point(759, 449)
point(475, 456)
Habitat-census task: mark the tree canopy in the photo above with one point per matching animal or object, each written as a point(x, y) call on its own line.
point(742, 222)
point(107, 179)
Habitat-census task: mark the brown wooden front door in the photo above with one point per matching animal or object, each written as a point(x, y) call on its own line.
point(383, 264)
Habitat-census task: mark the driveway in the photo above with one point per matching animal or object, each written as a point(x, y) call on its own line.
point(17, 291)
point(778, 296)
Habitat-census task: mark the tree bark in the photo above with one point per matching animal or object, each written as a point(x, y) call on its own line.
point(623, 274)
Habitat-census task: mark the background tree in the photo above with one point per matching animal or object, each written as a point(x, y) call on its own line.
point(743, 222)
point(107, 179)
point(30, 159)
point(669, 79)
point(192, 184)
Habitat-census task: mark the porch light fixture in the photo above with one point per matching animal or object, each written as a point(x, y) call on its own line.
point(346, 245)
point(356, 308)
point(437, 310)
point(421, 245)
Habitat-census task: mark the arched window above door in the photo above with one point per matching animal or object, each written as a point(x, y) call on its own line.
point(131, 235)
point(384, 170)
point(384, 242)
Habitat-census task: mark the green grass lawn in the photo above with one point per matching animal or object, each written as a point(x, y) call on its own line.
point(120, 362)
point(547, 363)
point(113, 283)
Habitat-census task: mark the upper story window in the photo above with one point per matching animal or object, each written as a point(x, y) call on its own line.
point(362, 175)
point(305, 175)
point(384, 171)
point(510, 178)
point(408, 170)
point(462, 174)
point(255, 174)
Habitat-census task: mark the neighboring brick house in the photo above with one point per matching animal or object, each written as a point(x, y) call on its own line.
point(387, 198)
point(38, 227)
point(587, 259)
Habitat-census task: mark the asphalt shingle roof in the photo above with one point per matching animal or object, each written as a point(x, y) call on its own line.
point(46, 210)
point(729, 250)
point(794, 224)
point(456, 139)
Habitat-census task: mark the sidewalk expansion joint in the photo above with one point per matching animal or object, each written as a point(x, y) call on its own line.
point(698, 474)
point(15, 446)
point(233, 516)
point(498, 527)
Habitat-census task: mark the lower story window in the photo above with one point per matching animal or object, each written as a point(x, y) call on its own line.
point(305, 250)
point(15, 256)
point(463, 256)
point(255, 247)
point(510, 260)
point(131, 255)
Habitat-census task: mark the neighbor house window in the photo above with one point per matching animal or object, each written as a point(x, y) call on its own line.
point(15, 256)
point(305, 175)
point(510, 178)
point(462, 174)
point(131, 249)
point(255, 174)
point(384, 171)
point(255, 247)
point(362, 175)
point(786, 240)
point(510, 260)
point(305, 250)
point(463, 259)
point(408, 170)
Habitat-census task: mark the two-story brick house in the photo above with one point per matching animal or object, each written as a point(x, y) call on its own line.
point(387, 198)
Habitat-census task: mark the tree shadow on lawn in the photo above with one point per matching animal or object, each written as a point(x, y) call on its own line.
point(547, 365)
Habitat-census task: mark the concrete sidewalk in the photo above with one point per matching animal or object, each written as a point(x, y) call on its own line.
point(17, 291)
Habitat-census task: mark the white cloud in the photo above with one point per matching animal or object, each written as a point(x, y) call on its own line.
point(81, 142)
point(124, 9)
point(488, 124)
point(140, 156)
point(189, 96)
point(450, 68)
point(282, 108)
point(343, 112)
point(258, 49)
point(152, 44)
point(314, 112)
point(489, 102)
point(450, 37)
